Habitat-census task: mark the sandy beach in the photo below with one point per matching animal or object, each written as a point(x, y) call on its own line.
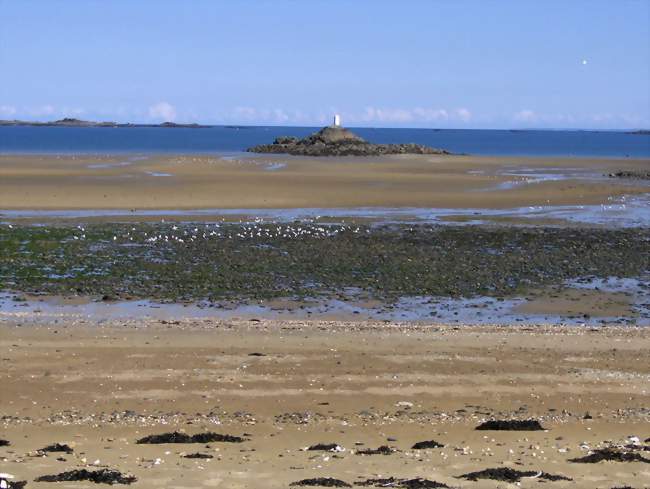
point(286, 385)
point(296, 245)
point(267, 181)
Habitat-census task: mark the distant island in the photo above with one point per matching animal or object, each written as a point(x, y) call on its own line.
point(338, 141)
point(72, 122)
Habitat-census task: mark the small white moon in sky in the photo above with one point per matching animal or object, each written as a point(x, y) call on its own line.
point(584, 61)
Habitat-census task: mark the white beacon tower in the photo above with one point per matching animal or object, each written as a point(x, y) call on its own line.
point(337, 120)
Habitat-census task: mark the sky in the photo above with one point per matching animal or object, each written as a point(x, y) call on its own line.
point(408, 63)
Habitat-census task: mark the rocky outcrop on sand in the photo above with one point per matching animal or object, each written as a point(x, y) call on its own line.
point(338, 141)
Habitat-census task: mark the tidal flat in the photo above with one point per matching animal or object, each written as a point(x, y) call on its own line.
point(173, 262)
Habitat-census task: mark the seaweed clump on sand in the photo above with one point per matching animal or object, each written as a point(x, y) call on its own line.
point(422, 445)
point(382, 450)
point(507, 474)
point(17, 484)
point(57, 447)
point(320, 482)
point(103, 476)
point(326, 447)
point(416, 483)
point(511, 425)
point(198, 455)
point(611, 455)
point(176, 437)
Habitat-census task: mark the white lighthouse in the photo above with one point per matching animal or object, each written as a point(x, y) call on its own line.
point(337, 120)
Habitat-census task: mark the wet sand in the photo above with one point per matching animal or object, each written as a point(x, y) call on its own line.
point(268, 181)
point(100, 386)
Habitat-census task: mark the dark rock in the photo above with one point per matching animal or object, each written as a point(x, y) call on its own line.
point(321, 482)
point(338, 141)
point(176, 437)
point(382, 450)
point(286, 140)
point(511, 425)
point(4, 443)
point(57, 447)
point(103, 476)
point(421, 445)
point(511, 475)
point(612, 455)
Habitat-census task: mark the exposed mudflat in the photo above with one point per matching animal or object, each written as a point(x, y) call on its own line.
point(212, 184)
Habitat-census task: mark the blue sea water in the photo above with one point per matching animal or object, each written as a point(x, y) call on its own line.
point(228, 139)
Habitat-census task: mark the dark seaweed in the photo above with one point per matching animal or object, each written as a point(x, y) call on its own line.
point(198, 455)
point(323, 446)
point(321, 482)
point(612, 455)
point(176, 437)
point(510, 475)
point(421, 445)
point(57, 447)
point(103, 476)
point(386, 262)
point(402, 483)
point(511, 425)
point(382, 450)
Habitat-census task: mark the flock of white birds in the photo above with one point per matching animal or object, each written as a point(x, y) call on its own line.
point(257, 229)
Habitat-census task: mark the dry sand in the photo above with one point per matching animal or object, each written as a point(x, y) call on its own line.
point(359, 385)
point(206, 182)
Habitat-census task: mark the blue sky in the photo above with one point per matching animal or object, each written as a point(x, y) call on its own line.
point(407, 63)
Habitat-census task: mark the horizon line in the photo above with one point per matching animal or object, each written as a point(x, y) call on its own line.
point(107, 124)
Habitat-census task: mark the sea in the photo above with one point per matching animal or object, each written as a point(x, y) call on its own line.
point(235, 139)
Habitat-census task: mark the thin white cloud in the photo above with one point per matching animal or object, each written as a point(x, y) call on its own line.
point(463, 114)
point(72, 111)
point(265, 116)
point(163, 111)
point(41, 111)
point(525, 115)
point(7, 110)
point(368, 116)
point(404, 116)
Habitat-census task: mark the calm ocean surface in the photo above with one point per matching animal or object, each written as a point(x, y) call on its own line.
point(228, 139)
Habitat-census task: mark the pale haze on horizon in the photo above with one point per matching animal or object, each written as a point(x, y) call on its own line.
point(449, 64)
